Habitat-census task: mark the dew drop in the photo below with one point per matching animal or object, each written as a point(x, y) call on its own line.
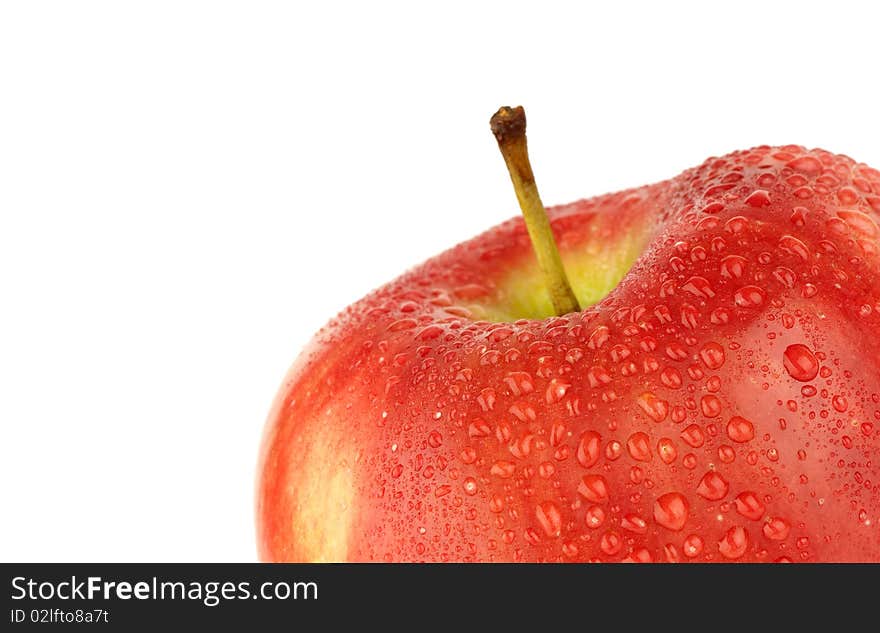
point(442, 490)
point(693, 546)
point(595, 516)
point(613, 450)
point(633, 523)
point(594, 488)
point(713, 486)
point(758, 198)
point(435, 439)
point(549, 518)
point(519, 383)
point(639, 447)
point(503, 469)
point(749, 505)
point(610, 543)
point(793, 246)
point(667, 450)
point(800, 362)
point(640, 555)
point(776, 529)
point(556, 390)
point(750, 297)
point(468, 455)
point(671, 510)
point(710, 406)
point(712, 355)
point(654, 408)
point(470, 486)
point(734, 543)
point(740, 430)
point(733, 266)
point(636, 475)
point(860, 222)
point(588, 448)
point(726, 453)
point(807, 164)
point(671, 377)
point(693, 436)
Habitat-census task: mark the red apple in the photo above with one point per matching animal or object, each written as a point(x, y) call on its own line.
point(718, 399)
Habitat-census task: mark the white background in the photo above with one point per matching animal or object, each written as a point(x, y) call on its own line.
point(188, 190)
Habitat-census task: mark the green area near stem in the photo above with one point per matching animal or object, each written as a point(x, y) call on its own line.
point(594, 269)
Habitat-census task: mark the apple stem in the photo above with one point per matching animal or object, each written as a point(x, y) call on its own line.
point(509, 127)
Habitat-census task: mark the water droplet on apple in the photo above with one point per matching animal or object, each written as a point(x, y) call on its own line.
point(693, 436)
point(699, 287)
point(807, 164)
point(610, 543)
point(667, 450)
point(736, 224)
point(636, 475)
point(599, 337)
point(734, 543)
point(726, 453)
point(402, 324)
point(588, 448)
point(713, 486)
point(710, 406)
point(639, 447)
point(733, 267)
point(800, 362)
point(749, 505)
point(556, 390)
point(809, 291)
point(435, 439)
point(712, 355)
point(570, 549)
point(639, 555)
point(671, 510)
point(750, 297)
point(595, 516)
point(758, 198)
point(632, 522)
point(503, 469)
point(859, 222)
point(793, 246)
point(740, 430)
point(654, 407)
point(442, 490)
point(519, 383)
point(671, 377)
point(549, 518)
point(776, 529)
point(468, 455)
point(693, 546)
point(613, 450)
point(470, 486)
point(594, 488)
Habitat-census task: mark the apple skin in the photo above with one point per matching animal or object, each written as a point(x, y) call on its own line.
point(721, 403)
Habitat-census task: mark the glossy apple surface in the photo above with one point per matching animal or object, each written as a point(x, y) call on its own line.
point(718, 401)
